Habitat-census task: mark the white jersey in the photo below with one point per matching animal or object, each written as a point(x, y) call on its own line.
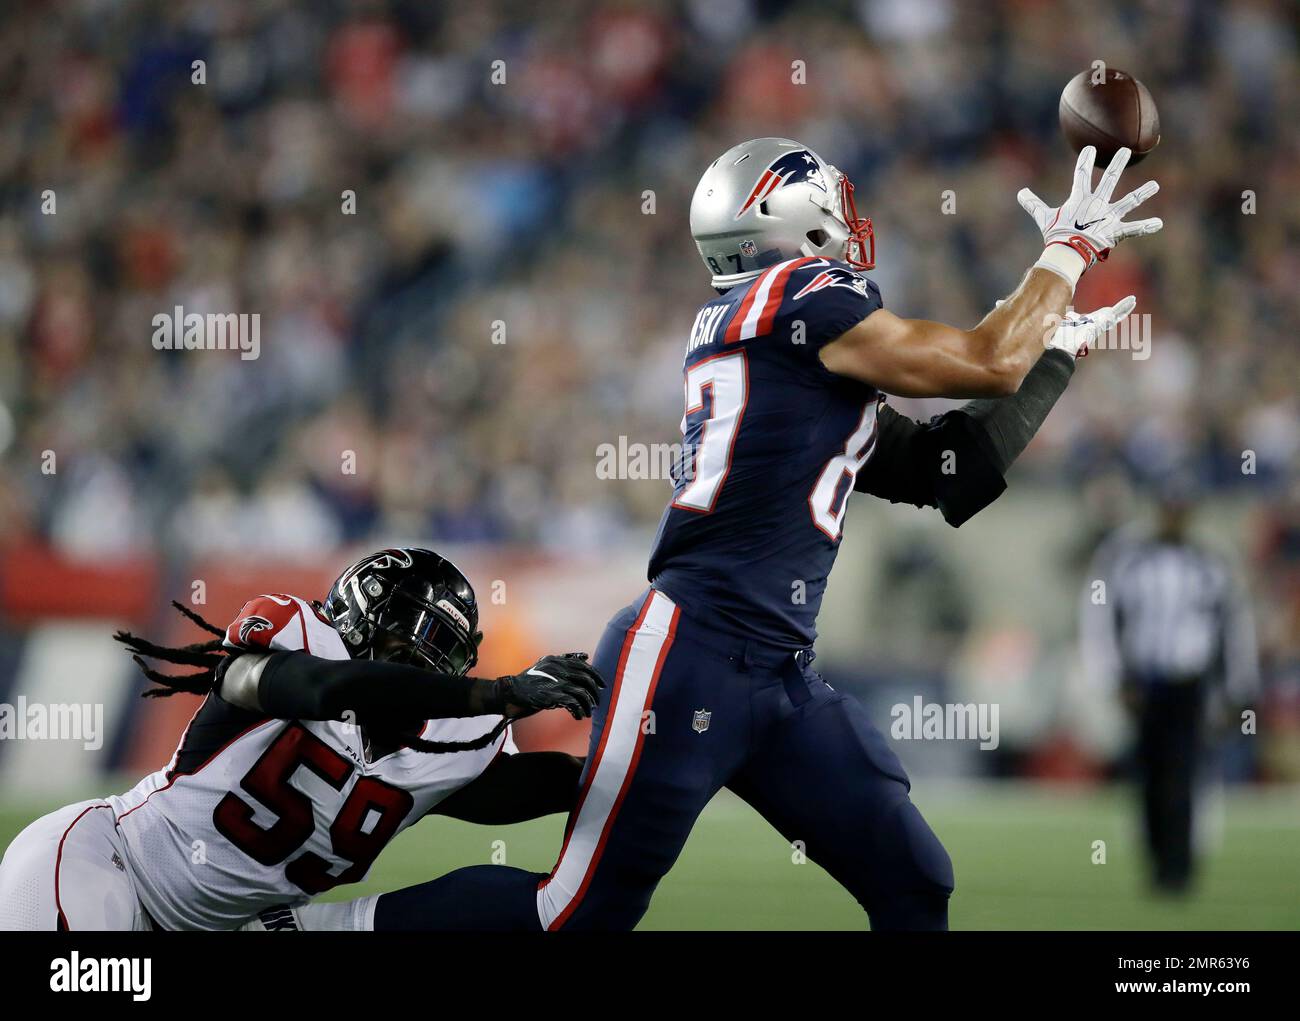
point(253, 811)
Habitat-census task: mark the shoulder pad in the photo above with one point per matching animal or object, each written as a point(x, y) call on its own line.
point(283, 623)
point(817, 298)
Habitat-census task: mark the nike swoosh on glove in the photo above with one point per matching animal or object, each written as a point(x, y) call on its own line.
point(554, 682)
point(1088, 222)
point(1076, 332)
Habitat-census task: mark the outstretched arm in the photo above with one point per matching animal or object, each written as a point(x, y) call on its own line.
point(297, 685)
point(918, 358)
point(516, 788)
point(957, 461)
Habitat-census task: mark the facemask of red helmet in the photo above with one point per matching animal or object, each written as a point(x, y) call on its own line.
point(860, 249)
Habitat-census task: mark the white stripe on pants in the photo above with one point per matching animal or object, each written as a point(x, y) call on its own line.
point(647, 640)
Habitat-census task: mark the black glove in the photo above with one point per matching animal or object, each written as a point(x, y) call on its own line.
point(564, 682)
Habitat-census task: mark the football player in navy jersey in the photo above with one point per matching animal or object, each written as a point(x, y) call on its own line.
point(710, 672)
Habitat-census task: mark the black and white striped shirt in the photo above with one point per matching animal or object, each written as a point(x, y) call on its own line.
point(1165, 611)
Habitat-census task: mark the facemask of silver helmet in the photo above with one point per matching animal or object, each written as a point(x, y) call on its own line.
point(772, 199)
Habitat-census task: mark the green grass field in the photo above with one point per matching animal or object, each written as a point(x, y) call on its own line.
point(1022, 855)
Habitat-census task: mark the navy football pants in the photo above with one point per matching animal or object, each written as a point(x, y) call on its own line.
point(689, 710)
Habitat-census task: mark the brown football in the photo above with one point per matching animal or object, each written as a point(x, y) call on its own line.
point(1115, 112)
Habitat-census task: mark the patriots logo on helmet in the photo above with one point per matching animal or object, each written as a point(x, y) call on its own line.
point(251, 625)
point(789, 168)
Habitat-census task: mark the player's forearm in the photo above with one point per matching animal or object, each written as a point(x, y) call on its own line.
point(1011, 338)
point(296, 685)
point(1010, 423)
point(516, 788)
point(919, 358)
point(913, 463)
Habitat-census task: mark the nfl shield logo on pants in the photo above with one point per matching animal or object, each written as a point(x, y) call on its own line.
point(700, 722)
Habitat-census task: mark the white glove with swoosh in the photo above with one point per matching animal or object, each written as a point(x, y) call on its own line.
point(1087, 223)
point(1076, 332)
point(1073, 333)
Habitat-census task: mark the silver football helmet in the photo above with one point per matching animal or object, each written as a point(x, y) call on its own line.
point(772, 199)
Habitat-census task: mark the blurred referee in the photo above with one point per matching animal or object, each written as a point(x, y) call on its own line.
point(1165, 623)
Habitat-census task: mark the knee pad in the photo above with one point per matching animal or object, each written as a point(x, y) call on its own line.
point(916, 877)
point(926, 858)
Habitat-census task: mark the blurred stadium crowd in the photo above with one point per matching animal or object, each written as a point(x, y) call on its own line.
point(552, 205)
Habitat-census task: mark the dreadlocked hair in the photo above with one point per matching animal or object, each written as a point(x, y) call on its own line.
point(419, 744)
point(207, 655)
point(210, 654)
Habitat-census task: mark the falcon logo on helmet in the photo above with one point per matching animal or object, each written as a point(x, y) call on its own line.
point(416, 604)
point(390, 558)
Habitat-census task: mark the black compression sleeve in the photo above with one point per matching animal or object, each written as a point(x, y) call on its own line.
point(898, 470)
point(296, 685)
point(1011, 422)
point(957, 460)
point(516, 788)
point(946, 463)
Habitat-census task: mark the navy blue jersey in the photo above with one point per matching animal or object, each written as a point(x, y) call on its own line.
point(772, 444)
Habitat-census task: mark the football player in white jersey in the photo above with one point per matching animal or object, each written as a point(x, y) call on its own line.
point(325, 730)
